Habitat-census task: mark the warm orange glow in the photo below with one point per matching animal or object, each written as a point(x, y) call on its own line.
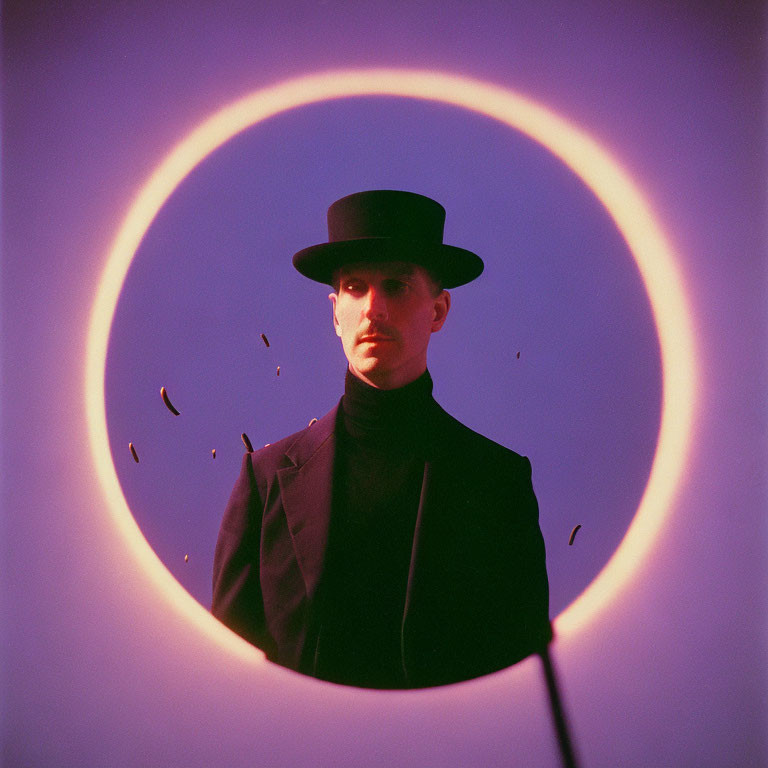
point(593, 164)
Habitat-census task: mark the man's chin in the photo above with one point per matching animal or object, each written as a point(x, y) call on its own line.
point(375, 354)
point(370, 366)
point(373, 368)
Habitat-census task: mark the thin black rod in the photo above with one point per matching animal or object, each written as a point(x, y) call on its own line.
point(558, 713)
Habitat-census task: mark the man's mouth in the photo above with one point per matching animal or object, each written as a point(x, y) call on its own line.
point(376, 337)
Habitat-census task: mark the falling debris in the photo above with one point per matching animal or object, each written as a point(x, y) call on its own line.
point(518, 355)
point(573, 535)
point(246, 443)
point(168, 402)
point(278, 370)
point(186, 558)
point(213, 453)
point(133, 453)
point(314, 421)
point(265, 340)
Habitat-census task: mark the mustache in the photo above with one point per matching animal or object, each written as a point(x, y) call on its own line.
point(377, 330)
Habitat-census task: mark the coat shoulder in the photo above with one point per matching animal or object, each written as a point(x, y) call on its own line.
point(294, 448)
point(474, 446)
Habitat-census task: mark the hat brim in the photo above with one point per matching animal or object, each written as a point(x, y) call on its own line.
point(451, 265)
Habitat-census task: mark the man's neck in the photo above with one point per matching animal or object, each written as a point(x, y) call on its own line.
point(387, 417)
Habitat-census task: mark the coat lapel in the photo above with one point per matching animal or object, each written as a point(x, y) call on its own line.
point(425, 502)
point(440, 496)
point(306, 491)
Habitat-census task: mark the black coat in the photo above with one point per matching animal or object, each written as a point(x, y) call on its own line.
point(477, 595)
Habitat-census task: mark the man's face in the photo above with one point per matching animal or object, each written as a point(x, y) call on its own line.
point(384, 314)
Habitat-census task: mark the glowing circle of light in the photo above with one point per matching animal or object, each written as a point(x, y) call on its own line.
point(582, 154)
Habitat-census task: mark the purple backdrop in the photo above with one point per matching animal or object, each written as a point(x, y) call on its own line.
point(97, 670)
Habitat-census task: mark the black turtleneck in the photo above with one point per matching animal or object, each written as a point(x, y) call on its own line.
point(379, 466)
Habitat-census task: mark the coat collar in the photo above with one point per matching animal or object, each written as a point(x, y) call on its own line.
point(306, 490)
point(313, 438)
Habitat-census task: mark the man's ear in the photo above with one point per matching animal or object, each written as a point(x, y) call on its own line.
point(440, 310)
point(336, 326)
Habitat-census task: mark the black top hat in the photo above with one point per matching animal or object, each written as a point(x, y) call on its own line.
point(388, 225)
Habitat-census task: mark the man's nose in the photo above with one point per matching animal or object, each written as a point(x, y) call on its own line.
point(375, 305)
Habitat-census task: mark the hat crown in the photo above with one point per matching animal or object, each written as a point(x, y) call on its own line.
point(386, 213)
point(385, 225)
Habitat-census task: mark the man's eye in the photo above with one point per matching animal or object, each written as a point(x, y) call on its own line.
point(353, 286)
point(395, 287)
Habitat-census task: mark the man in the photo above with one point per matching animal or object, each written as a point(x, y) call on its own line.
point(386, 545)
